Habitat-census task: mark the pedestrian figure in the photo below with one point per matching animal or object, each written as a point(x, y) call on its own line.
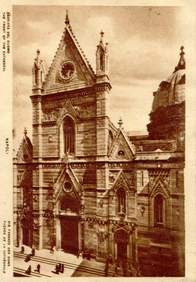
point(38, 268)
point(22, 250)
point(32, 251)
point(78, 254)
point(84, 254)
point(57, 269)
point(110, 259)
point(27, 258)
point(88, 256)
point(52, 249)
point(138, 270)
point(28, 271)
point(106, 268)
point(116, 269)
point(62, 268)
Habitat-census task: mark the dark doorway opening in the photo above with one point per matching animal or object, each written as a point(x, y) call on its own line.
point(26, 236)
point(121, 251)
point(69, 234)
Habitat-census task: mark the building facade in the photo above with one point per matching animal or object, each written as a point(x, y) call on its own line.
point(84, 184)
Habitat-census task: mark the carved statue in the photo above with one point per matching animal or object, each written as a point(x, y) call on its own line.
point(38, 71)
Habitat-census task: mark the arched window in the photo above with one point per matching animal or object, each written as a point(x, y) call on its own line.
point(69, 135)
point(158, 210)
point(121, 198)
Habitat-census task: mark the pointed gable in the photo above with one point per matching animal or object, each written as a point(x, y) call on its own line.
point(159, 187)
point(69, 69)
point(67, 176)
point(68, 109)
point(121, 181)
point(121, 147)
point(25, 151)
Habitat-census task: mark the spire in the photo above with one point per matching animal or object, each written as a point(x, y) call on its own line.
point(101, 38)
point(102, 65)
point(120, 123)
point(182, 50)
point(67, 18)
point(181, 64)
point(25, 132)
point(14, 133)
point(38, 53)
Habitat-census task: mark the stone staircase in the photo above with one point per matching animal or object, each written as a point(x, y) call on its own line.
point(91, 268)
point(87, 268)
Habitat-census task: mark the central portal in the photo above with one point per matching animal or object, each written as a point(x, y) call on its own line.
point(121, 251)
point(69, 210)
point(69, 234)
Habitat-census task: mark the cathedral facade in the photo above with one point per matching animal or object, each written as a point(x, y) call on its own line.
point(84, 185)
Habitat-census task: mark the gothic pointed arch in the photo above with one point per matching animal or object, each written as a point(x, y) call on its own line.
point(68, 200)
point(121, 181)
point(68, 109)
point(67, 182)
point(67, 193)
point(25, 151)
point(69, 67)
point(69, 135)
point(159, 188)
point(159, 210)
point(160, 200)
point(122, 191)
point(67, 120)
point(121, 147)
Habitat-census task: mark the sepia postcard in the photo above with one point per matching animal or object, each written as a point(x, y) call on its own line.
point(98, 146)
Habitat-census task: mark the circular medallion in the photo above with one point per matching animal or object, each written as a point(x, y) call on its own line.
point(67, 70)
point(67, 187)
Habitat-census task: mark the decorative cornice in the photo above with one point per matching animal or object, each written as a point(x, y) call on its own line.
point(103, 86)
point(106, 221)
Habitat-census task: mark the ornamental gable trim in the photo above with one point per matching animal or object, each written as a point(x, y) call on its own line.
point(69, 110)
point(121, 147)
point(25, 151)
point(121, 182)
point(66, 175)
point(159, 188)
point(70, 68)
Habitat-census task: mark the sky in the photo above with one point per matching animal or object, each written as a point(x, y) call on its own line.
point(144, 45)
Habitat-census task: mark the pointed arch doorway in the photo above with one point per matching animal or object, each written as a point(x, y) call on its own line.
point(121, 238)
point(69, 220)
